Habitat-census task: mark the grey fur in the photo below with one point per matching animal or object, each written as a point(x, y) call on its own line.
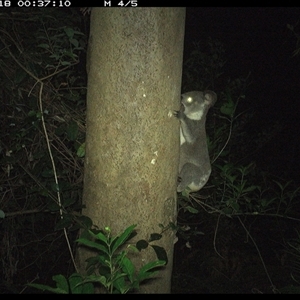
point(194, 164)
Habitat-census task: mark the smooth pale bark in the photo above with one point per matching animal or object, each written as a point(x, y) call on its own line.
point(132, 142)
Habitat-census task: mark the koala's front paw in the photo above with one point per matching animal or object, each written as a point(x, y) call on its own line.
point(178, 114)
point(178, 180)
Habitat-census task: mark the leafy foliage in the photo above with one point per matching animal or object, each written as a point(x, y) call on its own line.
point(43, 95)
point(239, 185)
point(111, 267)
point(240, 194)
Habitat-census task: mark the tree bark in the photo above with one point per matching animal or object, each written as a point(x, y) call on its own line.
point(132, 141)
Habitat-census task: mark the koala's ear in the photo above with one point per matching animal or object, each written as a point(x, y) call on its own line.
point(210, 97)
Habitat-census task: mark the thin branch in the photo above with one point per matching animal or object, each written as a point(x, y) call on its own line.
point(262, 260)
point(40, 80)
point(25, 212)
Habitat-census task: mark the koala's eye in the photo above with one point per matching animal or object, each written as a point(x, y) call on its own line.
point(189, 100)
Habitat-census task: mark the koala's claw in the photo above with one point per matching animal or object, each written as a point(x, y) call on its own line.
point(176, 113)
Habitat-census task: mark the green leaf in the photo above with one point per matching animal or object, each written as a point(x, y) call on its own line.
point(55, 187)
point(96, 278)
point(75, 280)
point(65, 222)
point(88, 288)
point(290, 289)
point(235, 206)
point(2, 214)
point(120, 285)
point(192, 209)
point(45, 46)
point(79, 286)
point(69, 31)
point(56, 56)
point(228, 107)
point(186, 193)
point(250, 188)
point(119, 258)
point(128, 268)
point(72, 131)
point(68, 202)
point(99, 236)
point(144, 274)
point(84, 222)
point(93, 262)
point(32, 113)
point(61, 282)
point(265, 202)
point(81, 150)
point(93, 245)
point(66, 63)
point(123, 238)
point(39, 115)
point(151, 265)
point(47, 288)
point(74, 42)
point(133, 248)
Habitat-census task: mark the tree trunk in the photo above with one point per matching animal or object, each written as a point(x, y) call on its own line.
point(132, 142)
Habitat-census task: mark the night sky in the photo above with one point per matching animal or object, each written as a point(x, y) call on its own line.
point(257, 40)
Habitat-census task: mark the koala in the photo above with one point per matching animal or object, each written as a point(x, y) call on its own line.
point(194, 162)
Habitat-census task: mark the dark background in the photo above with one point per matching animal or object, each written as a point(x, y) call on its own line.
point(257, 40)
